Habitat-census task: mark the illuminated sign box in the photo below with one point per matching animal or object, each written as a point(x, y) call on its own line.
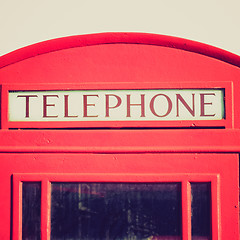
point(116, 105)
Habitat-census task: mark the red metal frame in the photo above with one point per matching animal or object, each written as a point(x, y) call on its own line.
point(46, 180)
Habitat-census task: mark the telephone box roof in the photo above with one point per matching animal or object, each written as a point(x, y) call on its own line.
point(118, 38)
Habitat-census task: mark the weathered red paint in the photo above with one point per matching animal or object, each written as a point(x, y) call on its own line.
point(136, 168)
point(175, 151)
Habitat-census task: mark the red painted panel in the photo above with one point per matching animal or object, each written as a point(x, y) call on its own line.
point(121, 141)
point(138, 57)
point(118, 63)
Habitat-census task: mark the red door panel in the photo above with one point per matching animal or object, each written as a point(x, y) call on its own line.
point(221, 170)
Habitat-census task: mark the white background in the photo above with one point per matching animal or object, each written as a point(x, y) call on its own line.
point(24, 22)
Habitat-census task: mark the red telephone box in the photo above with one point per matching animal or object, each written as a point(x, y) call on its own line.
point(119, 136)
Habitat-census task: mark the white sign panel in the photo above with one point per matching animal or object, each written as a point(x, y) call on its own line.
point(116, 105)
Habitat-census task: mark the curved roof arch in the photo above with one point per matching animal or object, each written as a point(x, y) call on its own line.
point(118, 38)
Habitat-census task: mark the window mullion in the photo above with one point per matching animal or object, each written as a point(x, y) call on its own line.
point(215, 198)
point(45, 209)
point(186, 210)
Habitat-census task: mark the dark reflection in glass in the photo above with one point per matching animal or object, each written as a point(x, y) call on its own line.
point(201, 211)
point(116, 211)
point(31, 208)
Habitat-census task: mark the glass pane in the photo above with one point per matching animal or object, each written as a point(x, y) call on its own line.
point(116, 211)
point(201, 211)
point(31, 208)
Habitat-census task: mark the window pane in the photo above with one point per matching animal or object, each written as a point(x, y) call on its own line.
point(201, 211)
point(116, 211)
point(31, 202)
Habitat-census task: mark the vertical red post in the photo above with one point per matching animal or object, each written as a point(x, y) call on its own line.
point(45, 209)
point(186, 210)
